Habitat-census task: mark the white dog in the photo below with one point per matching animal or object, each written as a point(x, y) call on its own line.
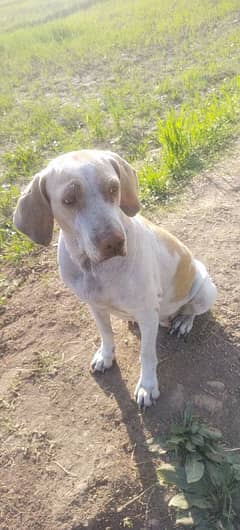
point(115, 260)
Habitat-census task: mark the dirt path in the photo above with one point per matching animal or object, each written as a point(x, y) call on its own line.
point(74, 446)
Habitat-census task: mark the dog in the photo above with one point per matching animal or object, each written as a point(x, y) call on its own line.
point(113, 258)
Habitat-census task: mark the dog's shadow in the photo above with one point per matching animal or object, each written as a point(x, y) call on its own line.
point(185, 371)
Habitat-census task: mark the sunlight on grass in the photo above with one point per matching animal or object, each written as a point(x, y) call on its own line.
point(12, 244)
point(191, 136)
point(135, 77)
point(194, 129)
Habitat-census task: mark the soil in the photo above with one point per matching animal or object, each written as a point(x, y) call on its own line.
point(73, 446)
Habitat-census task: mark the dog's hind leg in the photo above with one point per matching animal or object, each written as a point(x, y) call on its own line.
point(203, 300)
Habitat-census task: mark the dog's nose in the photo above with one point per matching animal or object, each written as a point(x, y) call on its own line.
point(113, 245)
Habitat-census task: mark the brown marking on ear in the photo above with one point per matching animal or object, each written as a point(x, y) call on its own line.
point(129, 202)
point(186, 269)
point(33, 215)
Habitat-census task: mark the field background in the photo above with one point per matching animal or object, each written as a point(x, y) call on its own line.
point(157, 81)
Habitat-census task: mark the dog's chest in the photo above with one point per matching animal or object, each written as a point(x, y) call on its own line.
point(107, 292)
point(90, 288)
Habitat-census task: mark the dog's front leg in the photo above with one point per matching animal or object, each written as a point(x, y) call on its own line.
point(103, 358)
point(147, 388)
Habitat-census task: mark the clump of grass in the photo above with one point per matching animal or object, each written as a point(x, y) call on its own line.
point(34, 444)
point(197, 129)
point(21, 162)
point(13, 245)
point(6, 104)
point(114, 106)
point(8, 197)
point(16, 247)
point(190, 137)
point(94, 120)
point(153, 183)
point(206, 475)
point(44, 365)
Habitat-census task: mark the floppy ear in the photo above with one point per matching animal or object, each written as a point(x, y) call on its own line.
point(33, 215)
point(128, 183)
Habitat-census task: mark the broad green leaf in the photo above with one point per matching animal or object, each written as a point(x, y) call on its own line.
point(185, 521)
point(232, 457)
point(215, 473)
point(213, 455)
point(193, 468)
point(156, 445)
point(209, 432)
point(199, 502)
point(180, 501)
point(236, 469)
point(204, 525)
point(169, 474)
point(197, 439)
point(236, 501)
point(195, 427)
point(199, 488)
point(176, 439)
point(227, 525)
point(190, 447)
point(177, 429)
point(187, 415)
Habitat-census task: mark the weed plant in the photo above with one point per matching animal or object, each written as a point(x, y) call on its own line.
point(205, 474)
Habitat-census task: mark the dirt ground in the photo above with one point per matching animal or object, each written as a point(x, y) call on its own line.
point(73, 446)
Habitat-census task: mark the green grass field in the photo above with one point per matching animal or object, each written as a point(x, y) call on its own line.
point(157, 81)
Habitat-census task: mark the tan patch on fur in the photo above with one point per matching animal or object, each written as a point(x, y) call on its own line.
point(84, 154)
point(186, 270)
point(172, 243)
point(184, 277)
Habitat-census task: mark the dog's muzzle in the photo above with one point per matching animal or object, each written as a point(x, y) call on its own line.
point(112, 245)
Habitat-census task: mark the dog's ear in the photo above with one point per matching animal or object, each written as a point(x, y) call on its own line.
point(128, 183)
point(33, 215)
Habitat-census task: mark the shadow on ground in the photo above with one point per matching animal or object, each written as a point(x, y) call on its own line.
point(202, 371)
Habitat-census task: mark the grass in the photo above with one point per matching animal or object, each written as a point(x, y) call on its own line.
point(14, 14)
point(137, 77)
point(191, 136)
point(44, 365)
point(198, 129)
point(13, 244)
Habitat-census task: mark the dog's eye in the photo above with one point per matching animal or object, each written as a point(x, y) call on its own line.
point(69, 202)
point(69, 198)
point(113, 189)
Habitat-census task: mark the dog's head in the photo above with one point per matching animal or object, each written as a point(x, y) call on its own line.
point(85, 191)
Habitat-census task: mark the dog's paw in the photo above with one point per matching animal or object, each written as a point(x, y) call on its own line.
point(181, 325)
point(146, 397)
point(101, 361)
